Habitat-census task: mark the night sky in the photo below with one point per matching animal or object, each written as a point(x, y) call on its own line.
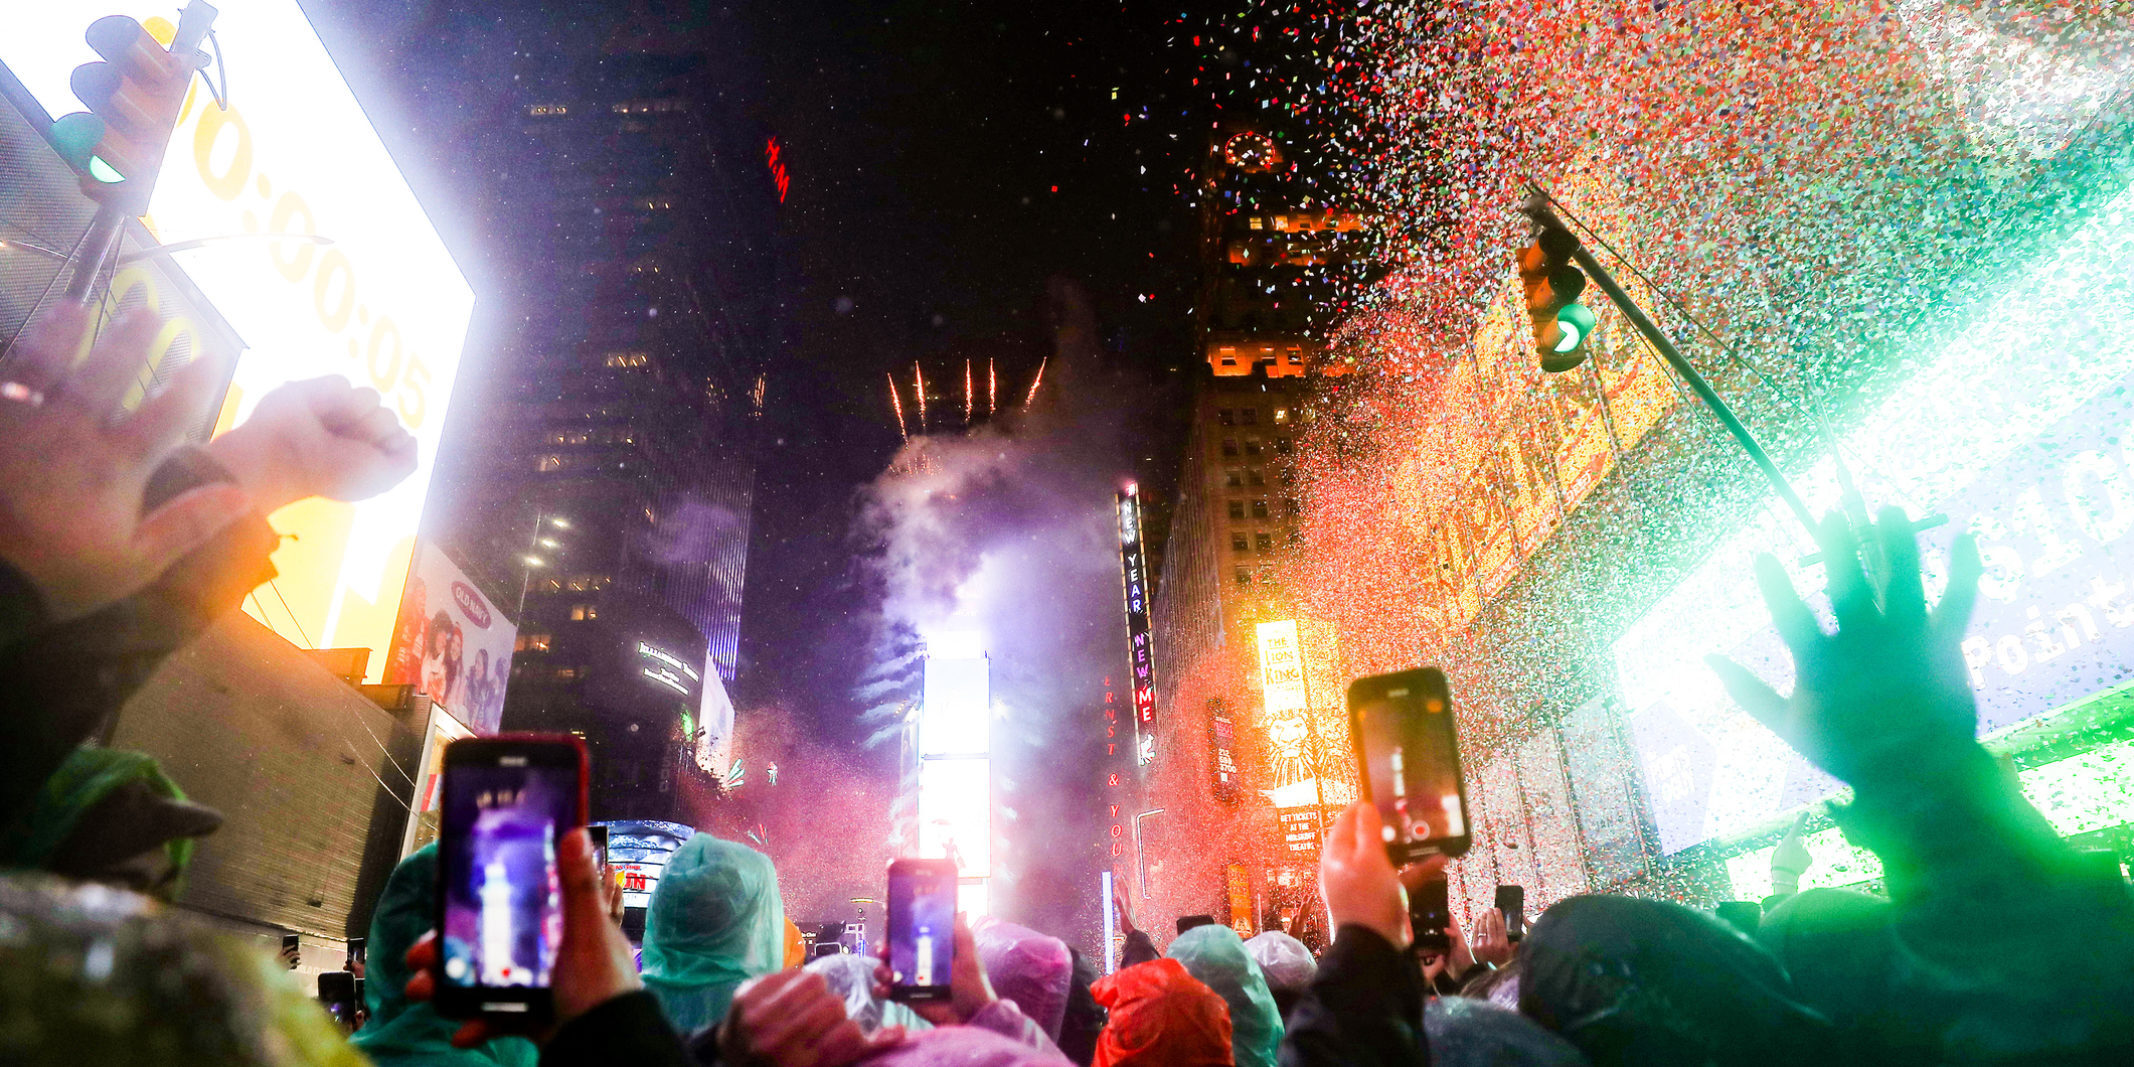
point(947, 161)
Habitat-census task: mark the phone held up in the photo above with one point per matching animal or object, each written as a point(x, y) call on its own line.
point(1409, 759)
point(922, 928)
point(508, 800)
point(1430, 917)
point(1511, 900)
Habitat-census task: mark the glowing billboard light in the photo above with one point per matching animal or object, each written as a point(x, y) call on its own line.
point(383, 305)
point(955, 768)
point(1140, 642)
point(2015, 432)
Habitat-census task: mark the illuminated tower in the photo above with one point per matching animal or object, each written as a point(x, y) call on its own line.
point(496, 929)
point(955, 769)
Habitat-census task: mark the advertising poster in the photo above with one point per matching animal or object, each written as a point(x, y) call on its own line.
point(451, 644)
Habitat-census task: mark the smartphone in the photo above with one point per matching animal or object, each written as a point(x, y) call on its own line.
point(292, 949)
point(1409, 760)
point(1430, 917)
point(337, 991)
point(599, 833)
point(1192, 922)
point(1511, 900)
point(355, 954)
point(922, 928)
point(507, 801)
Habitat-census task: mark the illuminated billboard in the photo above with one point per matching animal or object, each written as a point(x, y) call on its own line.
point(451, 644)
point(1140, 646)
point(2017, 431)
point(382, 304)
point(955, 768)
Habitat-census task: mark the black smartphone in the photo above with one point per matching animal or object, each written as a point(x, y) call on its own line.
point(1409, 759)
point(1511, 900)
point(355, 954)
point(599, 833)
point(922, 928)
point(1430, 917)
point(507, 801)
point(337, 991)
point(1193, 922)
point(292, 949)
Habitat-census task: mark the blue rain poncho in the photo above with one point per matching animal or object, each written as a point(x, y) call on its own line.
point(1217, 956)
point(715, 921)
point(403, 1031)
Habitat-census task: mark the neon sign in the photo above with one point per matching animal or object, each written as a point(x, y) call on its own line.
point(1141, 647)
point(774, 157)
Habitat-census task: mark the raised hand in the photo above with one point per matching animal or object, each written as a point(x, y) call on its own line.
point(1887, 694)
point(969, 992)
point(791, 1019)
point(1357, 879)
point(319, 437)
point(74, 465)
point(1492, 943)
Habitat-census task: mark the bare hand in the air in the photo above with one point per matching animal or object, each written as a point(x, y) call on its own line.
point(319, 437)
point(74, 466)
point(791, 1019)
point(1357, 879)
point(1492, 943)
point(1888, 692)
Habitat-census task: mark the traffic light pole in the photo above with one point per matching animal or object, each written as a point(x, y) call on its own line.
point(95, 250)
point(1697, 384)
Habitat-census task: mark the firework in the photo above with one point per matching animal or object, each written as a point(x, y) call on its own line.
point(1036, 381)
point(897, 401)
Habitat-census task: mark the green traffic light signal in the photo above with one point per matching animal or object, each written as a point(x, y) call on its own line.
point(1576, 325)
point(76, 137)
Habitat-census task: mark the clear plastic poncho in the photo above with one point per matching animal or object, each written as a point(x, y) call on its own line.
point(715, 921)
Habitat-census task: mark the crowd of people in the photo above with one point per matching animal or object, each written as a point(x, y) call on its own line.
point(1996, 942)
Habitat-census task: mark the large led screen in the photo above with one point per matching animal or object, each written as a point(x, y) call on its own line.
point(382, 305)
point(2016, 427)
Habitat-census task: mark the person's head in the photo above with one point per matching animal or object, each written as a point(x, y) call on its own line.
point(481, 664)
point(434, 637)
point(1463, 1032)
point(1216, 956)
point(111, 817)
point(1027, 967)
point(1639, 981)
point(1083, 1020)
point(714, 921)
point(456, 645)
point(410, 1032)
point(1286, 964)
point(1161, 1016)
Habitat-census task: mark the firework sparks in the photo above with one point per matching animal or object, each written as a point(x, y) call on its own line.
point(1035, 382)
point(918, 382)
point(896, 401)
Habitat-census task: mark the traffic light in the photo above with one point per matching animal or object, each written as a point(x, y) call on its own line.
point(1553, 284)
point(133, 97)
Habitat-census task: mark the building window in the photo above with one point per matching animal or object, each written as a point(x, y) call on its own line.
point(1281, 415)
point(549, 462)
point(1252, 446)
point(1237, 509)
point(1263, 542)
point(546, 110)
point(565, 674)
point(1252, 477)
point(1249, 416)
point(531, 643)
point(627, 359)
point(1225, 416)
point(1230, 447)
point(1238, 543)
point(1244, 577)
point(1233, 478)
point(1259, 508)
point(584, 612)
point(1267, 577)
point(1281, 446)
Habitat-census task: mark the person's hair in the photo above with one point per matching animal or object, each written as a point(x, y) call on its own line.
point(434, 640)
point(1486, 980)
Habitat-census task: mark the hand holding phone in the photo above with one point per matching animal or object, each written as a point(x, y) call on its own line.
point(1430, 916)
point(1511, 900)
point(1408, 758)
point(922, 929)
point(507, 803)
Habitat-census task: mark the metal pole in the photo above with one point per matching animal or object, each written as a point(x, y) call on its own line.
point(1697, 384)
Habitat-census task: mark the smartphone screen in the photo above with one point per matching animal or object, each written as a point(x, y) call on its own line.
point(337, 991)
point(506, 803)
point(1430, 917)
point(1511, 900)
point(599, 834)
point(1408, 757)
point(922, 928)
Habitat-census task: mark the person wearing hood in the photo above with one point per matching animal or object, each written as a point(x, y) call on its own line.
point(111, 817)
point(1286, 964)
point(1029, 968)
point(714, 922)
point(1465, 1032)
point(1084, 1019)
point(410, 1032)
point(851, 978)
point(1216, 956)
point(1161, 1016)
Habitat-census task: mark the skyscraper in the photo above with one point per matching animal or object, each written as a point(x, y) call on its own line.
point(606, 488)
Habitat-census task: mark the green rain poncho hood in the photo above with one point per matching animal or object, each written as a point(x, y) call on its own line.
point(1217, 956)
point(408, 1032)
point(715, 921)
point(80, 789)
